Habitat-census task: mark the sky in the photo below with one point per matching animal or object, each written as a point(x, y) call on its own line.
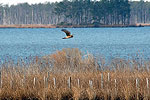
point(10, 2)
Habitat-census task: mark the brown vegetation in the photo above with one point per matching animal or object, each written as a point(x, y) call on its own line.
point(28, 26)
point(46, 78)
point(68, 26)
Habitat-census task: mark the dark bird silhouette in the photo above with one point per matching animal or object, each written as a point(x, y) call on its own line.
point(67, 33)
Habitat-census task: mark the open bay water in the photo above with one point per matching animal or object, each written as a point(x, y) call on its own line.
point(107, 42)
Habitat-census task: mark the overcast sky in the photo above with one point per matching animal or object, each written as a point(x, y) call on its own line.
point(10, 2)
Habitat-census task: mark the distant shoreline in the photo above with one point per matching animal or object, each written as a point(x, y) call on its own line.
point(68, 26)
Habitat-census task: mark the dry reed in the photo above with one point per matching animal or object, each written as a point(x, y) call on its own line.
point(47, 78)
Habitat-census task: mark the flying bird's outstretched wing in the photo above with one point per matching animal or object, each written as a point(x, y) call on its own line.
point(66, 31)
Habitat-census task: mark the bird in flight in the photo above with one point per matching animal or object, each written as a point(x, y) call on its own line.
point(67, 33)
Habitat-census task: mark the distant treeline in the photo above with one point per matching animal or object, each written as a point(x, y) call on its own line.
point(77, 12)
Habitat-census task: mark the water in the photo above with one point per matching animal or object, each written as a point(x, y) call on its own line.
point(107, 42)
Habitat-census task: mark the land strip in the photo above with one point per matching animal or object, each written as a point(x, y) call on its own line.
point(68, 26)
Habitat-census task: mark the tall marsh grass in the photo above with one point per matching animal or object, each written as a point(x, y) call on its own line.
point(47, 78)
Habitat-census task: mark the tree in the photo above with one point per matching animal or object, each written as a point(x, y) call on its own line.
point(78, 12)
